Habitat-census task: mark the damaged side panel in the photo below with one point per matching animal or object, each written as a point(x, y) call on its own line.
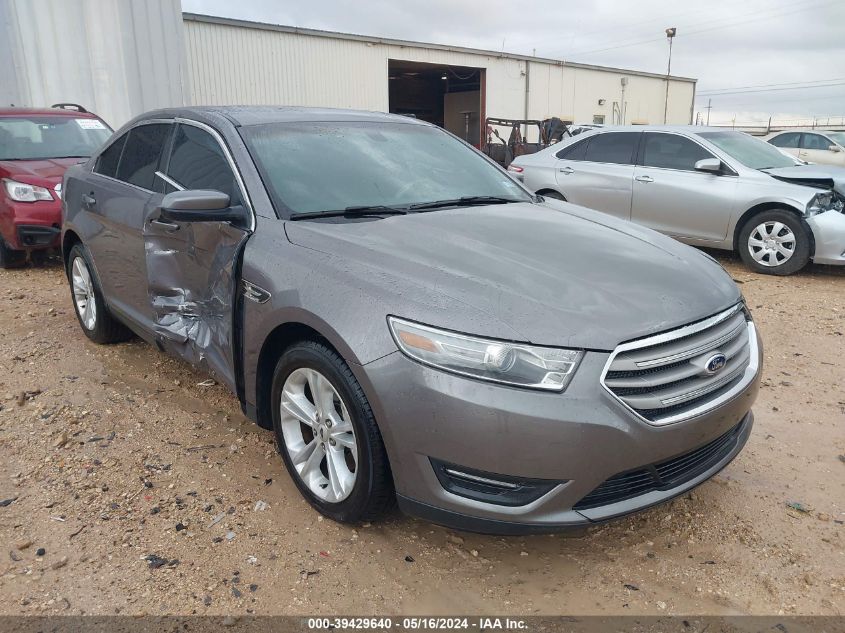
point(193, 274)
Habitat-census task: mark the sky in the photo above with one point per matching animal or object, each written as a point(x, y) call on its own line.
point(754, 59)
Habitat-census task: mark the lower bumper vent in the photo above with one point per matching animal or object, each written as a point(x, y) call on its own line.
point(502, 490)
point(663, 476)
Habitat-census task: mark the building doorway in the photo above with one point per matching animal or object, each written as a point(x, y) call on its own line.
point(449, 96)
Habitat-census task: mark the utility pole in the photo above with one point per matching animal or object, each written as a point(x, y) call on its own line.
point(670, 35)
point(709, 105)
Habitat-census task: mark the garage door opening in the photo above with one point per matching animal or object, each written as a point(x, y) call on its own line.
point(449, 96)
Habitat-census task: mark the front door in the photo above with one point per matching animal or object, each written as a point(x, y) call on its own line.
point(815, 148)
point(192, 267)
point(670, 196)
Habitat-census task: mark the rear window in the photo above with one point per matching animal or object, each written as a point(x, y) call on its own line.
point(107, 161)
point(612, 147)
point(39, 137)
point(142, 154)
point(786, 140)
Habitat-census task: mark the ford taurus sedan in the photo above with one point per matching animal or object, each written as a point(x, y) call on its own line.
point(703, 186)
point(411, 322)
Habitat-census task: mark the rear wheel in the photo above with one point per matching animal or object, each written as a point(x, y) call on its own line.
point(775, 242)
point(327, 435)
point(10, 258)
point(96, 321)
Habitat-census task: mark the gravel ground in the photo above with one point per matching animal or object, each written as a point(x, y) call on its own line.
point(130, 486)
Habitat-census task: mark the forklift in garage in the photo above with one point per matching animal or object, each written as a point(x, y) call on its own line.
point(549, 131)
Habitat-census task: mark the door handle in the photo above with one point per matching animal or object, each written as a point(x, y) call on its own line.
point(566, 170)
point(167, 226)
point(88, 200)
point(644, 179)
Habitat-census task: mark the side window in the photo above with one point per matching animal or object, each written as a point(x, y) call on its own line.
point(612, 147)
point(575, 151)
point(671, 151)
point(814, 141)
point(198, 162)
point(107, 161)
point(142, 154)
point(790, 139)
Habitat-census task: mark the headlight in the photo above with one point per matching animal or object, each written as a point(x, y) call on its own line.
point(546, 368)
point(22, 192)
point(824, 201)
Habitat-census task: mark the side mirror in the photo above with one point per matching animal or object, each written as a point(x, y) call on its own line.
point(199, 205)
point(711, 165)
point(834, 148)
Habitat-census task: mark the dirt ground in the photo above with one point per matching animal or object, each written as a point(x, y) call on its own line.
point(141, 484)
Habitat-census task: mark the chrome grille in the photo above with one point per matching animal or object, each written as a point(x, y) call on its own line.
point(686, 372)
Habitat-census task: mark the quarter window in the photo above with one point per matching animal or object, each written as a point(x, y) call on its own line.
point(197, 162)
point(612, 147)
point(576, 151)
point(107, 161)
point(142, 154)
point(670, 151)
point(789, 139)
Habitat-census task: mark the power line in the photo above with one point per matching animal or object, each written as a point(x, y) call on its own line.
point(757, 17)
point(788, 83)
point(742, 92)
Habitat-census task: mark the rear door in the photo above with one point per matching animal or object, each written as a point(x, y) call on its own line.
point(789, 142)
point(670, 196)
point(115, 200)
point(192, 267)
point(598, 172)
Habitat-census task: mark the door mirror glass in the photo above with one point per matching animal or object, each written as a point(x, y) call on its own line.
point(199, 205)
point(712, 165)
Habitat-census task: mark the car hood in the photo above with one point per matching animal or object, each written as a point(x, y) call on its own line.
point(812, 175)
point(550, 274)
point(49, 169)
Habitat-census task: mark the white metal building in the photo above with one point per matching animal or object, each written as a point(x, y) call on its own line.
point(126, 57)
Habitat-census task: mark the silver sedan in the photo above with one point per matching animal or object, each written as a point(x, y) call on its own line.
point(703, 186)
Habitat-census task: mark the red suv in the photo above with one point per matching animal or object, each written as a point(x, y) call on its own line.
point(36, 147)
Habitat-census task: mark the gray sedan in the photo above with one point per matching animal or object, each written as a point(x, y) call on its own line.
point(703, 186)
point(410, 321)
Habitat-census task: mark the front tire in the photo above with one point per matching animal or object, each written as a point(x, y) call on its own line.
point(775, 242)
point(10, 258)
point(91, 312)
point(327, 435)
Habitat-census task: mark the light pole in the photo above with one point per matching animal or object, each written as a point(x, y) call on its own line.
point(670, 35)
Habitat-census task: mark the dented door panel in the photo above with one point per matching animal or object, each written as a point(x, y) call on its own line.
point(192, 274)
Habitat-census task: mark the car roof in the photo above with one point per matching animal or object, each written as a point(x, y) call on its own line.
point(257, 115)
point(689, 129)
point(76, 114)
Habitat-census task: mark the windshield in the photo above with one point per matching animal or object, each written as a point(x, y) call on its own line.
point(322, 166)
point(38, 137)
point(838, 137)
point(751, 152)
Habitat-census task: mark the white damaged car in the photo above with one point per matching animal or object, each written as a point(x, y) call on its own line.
point(703, 186)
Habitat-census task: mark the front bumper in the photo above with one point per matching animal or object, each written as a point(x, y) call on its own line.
point(829, 235)
point(578, 440)
point(31, 225)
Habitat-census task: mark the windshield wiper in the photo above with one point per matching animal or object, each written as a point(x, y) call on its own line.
point(464, 201)
point(351, 212)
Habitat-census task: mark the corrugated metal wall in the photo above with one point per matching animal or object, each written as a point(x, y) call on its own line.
point(118, 58)
point(241, 64)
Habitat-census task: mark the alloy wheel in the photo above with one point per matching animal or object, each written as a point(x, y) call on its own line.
point(83, 293)
point(318, 435)
point(771, 243)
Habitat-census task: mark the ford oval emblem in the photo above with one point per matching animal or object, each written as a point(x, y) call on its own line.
point(715, 363)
